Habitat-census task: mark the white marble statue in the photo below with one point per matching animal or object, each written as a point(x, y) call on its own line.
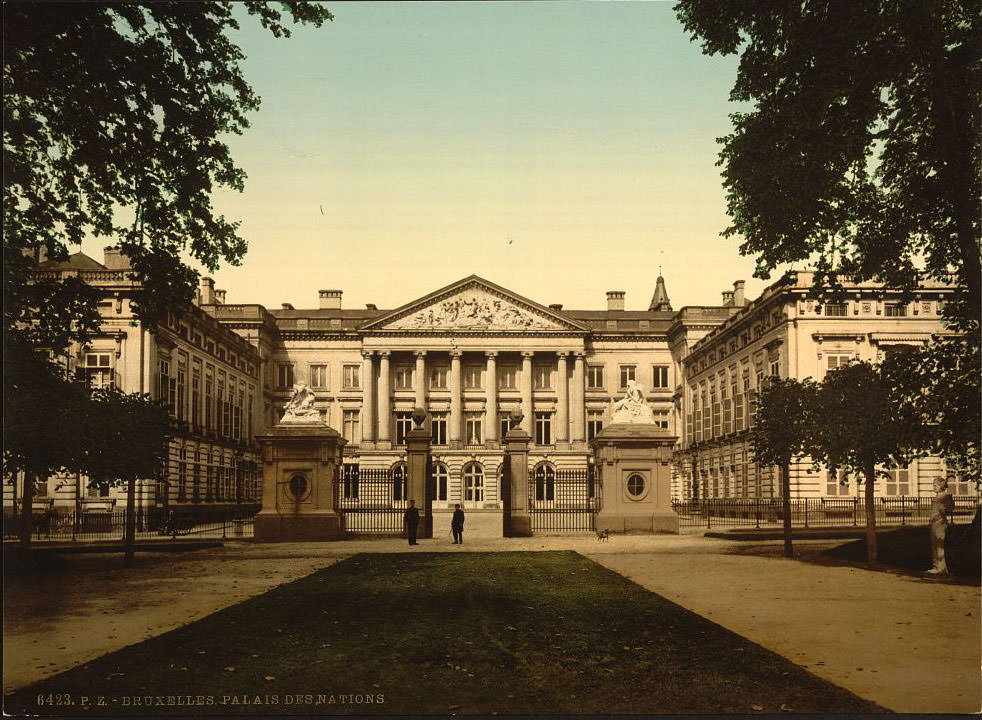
point(941, 508)
point(632, 409)
point(301, 408)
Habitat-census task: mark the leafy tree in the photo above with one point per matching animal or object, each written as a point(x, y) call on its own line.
point(857, 426)
point(782, 430)
point(126, 439)
point(115, 118)
point(861, 147)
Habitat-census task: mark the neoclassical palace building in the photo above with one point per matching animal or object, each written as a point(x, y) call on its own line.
point(469, 354)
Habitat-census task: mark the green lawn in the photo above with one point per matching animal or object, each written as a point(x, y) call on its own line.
point(438, 633)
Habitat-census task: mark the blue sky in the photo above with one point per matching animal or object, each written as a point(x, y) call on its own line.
point(560, 149)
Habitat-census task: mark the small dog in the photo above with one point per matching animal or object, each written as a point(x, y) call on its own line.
point(602, 535)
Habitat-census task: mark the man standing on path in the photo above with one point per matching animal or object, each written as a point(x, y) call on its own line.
point(411, 518)
point(457, 525)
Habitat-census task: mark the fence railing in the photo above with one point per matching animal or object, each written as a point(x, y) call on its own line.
point(563, 500)
point(61, 524)
point(813, 512)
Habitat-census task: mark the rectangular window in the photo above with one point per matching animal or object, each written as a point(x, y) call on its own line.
point(661, 419)
point(659, 376)
point(439, 377)
point(403, 377)
point(504, 424)
point(284, 376)
point(594, 423)
point(508, 377)
point(836, 310)
point(839, 484)
point(404, 423)
point(717, 410)
point(438, 428)
point(239, 399)
point(836, 361)
point(351, 426)
point(209, 398)
point(226, 409)
point(707, 417)
point(351, 377)
point(894, 310)
point(595, 377)
point(738, 418)
point(727, 407)
point(473, 428)
point(182, 378)
point(542, 377)
point(319, 377)
point(628, 374)
point(543, 428)
point(775, 368)
point(897, 482)
point(196, 394)
point(473, 377)
point(97, 370)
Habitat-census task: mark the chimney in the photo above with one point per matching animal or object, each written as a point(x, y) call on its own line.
point(330, 299)
point(739, 300)
point(207, 291)
point(727, 298)
point(219, 297)
point(115, 260)
point(287, 306)
point(371, 306)
point(556, 306)
point(615, 299)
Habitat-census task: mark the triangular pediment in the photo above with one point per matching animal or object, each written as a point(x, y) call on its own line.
point(474, 304)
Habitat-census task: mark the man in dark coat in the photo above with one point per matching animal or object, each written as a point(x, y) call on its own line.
point(457, 525)
point(411, 518)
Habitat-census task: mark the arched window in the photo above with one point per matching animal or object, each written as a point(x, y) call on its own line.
point(400, 481)
point(544, 475)
point(473, 475)
point(440, 477)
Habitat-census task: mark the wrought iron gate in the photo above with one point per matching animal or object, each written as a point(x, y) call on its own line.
point(371, 501)
point(563, 500)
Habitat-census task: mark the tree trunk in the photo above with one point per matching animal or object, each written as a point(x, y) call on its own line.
point(26, 521)
point(129, 535)
point(786, 506)
point(871, 554)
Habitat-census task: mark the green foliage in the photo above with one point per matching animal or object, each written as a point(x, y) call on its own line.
point(126, 436)
point(861, 150)
point(939, 384)
point(857, 425)
point(783, 427)
point(114, 125)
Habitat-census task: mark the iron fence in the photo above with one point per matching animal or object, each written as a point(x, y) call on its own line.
point(371, 501)
point(66, 524)
point(563, 500)
point(813, 512)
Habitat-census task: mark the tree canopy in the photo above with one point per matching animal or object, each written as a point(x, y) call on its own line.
point(115, 125)
point(861, 150)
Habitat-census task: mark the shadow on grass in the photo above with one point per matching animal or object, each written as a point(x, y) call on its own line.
point(547, 632)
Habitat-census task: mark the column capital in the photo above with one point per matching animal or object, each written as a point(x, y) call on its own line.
point(528, 353)
point(456, 353)
point(580, 354)
point(367, 354)
point(419, 353)
point(384, 353)
point(562, 353)
point(491, 353)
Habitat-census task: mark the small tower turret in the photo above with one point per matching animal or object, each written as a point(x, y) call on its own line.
point(660, 301)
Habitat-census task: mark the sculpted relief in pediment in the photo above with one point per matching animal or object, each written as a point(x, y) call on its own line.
point(474, 309)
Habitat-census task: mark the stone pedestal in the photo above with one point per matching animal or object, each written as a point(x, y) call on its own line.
point(299, 464)
point(517, 520)
point(634, 462)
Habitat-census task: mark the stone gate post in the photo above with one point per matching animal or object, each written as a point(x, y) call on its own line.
point(518, 519)
point(419, 485)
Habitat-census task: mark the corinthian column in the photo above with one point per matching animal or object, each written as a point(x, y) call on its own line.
point(528, 420)
point(367, 399)
point(579, 411)
point(491, 395)
point(384, 397)
point(562, 396)
point(421, 379)
point(456, 399)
